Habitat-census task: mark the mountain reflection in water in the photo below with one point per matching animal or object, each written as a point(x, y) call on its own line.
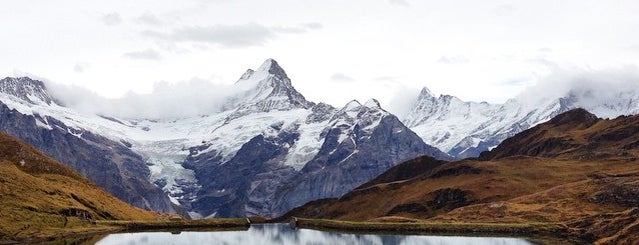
point(283, 234)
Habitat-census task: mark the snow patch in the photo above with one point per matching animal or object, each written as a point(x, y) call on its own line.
point(174, 176)
point(44, 125)
point(307, 146)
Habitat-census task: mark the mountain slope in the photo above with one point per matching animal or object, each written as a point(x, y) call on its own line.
point(40, 197)
point(272, 90)
point(570, 170)
point(465, 129)
point(324, 153)
point(110, 164)
point(576, 134)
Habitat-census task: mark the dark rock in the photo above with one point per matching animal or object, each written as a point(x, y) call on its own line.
point(407, 170)
point(255, 182)
point(25, 89)
point(74, 212)
point(227, 188)
point(449, 199)
point(412, 208)
point(340, 167)
point(126, 143)
point(320, 112)
point(622, 194)
point(456, 171)
point(575, 119)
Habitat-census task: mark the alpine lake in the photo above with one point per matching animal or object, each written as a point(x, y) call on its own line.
point(266, 234)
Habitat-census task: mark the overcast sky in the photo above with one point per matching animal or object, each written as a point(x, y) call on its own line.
point(333, 50)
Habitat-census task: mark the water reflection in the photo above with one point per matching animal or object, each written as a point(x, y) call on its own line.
point(283, 234)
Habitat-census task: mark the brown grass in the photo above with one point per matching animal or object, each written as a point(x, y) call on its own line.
point(42, 198)
point(501, 181)
point(36, 205)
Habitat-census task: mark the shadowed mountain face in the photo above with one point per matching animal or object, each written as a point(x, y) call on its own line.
point(569, 170)
point(109, 164)
point(359, 143)
point(38, 193)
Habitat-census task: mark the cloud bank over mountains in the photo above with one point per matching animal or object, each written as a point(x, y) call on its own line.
point(198, 96)
point(167, 100)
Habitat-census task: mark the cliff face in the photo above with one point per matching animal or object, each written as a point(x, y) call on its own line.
point(339, 168)
point(111, 165)
point(255, 182)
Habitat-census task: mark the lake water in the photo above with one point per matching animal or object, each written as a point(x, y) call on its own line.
point(283, 234)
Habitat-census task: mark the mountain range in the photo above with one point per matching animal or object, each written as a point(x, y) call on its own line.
point(269, 149)
point(466, 129)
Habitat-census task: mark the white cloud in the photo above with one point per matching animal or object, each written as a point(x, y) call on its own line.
point(111, 19)
point(148, 54)
point(341, 77)
point(79, 67)
point(313, 25)
point(505, 9)
point(386, 79)
point(452, 60)
point(402, 101)
point(367, 39)
point(593, 86)
point(230, 36)
point(399, 2)
point(167, 100)
point(150, 19)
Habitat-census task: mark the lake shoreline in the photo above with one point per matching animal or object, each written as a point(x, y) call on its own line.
point(106, 227)
point(547, 233)
point(542, 232)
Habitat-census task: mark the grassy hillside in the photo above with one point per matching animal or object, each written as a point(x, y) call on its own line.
point(40, 197)
point(576, 171)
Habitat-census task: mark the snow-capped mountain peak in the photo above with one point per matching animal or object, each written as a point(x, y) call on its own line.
point(247, 74)
point(355, 109)
point(465, 129)
point(366, 117)
point(272, 67)
point(372, 103)
point(266, 89)
point(351, 105)
point(269, 67)
point(425, 94)
point(24, 89)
